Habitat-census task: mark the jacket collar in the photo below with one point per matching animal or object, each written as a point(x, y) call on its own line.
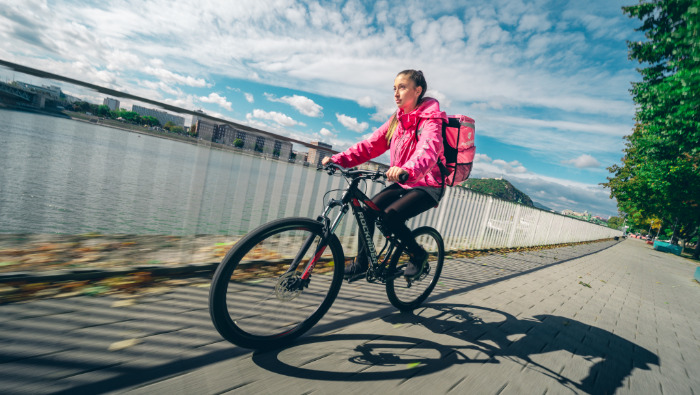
point(429, 108)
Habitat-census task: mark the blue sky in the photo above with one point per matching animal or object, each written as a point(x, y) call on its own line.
point(546, 81)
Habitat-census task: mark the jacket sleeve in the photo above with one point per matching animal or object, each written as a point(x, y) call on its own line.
point(365, 150)
point(428, 151)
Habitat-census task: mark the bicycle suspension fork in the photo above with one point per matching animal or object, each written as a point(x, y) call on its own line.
point(328, 230)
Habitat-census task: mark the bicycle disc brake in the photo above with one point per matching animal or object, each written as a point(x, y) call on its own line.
point(288, 287)
point(410, 281)
point(425, 273)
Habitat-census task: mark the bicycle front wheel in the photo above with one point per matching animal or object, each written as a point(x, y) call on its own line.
point(258, 298)
point(406, 295)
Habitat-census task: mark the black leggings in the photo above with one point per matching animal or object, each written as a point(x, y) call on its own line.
point(398, 205)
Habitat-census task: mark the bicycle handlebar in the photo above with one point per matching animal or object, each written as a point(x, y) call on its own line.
point(331, 168)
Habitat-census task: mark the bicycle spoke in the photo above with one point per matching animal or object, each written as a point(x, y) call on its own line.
point(406, 294)
point(263, 296)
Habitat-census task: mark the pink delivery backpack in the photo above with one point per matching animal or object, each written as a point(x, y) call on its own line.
point(458, 143)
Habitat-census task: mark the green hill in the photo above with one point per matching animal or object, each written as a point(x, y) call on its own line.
point(499, 188)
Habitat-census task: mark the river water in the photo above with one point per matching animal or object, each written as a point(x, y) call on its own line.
point(64, 176)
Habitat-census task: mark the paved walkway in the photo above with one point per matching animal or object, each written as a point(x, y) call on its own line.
point(599, 318)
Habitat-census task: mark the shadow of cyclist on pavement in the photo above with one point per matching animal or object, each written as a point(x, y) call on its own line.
point(500, 335)
point(485, 336)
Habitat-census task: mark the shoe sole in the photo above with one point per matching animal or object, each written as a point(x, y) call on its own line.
point(355, 277)
point(417, 275)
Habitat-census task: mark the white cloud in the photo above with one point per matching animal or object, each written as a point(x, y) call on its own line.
point(169, 76)
point(249, 98)
point(513, 167)
point(584, 161)
point(556, 193)
point(186, 101)
point(214, 98)
point(274, 116)
point(482, 158)
point(499, 61)
point(302, 104)
point(445, 103)
point(327, 133)
point(366, 102)
point(162, 86)
point(352, 123)
point(536, 22)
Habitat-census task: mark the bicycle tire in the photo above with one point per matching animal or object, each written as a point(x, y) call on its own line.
point(248, 287)
point(407, 296)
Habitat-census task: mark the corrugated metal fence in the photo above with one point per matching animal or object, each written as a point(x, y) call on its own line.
point(466, 220)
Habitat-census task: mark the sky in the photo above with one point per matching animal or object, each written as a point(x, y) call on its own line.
point(546, 81)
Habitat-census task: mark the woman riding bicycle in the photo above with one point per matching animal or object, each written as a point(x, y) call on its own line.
point(414, 136)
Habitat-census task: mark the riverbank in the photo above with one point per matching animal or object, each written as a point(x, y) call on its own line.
point(53, 265)
point(110, 123)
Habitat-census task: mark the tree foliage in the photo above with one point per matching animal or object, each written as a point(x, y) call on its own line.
point(660, 171)
point(615, 222)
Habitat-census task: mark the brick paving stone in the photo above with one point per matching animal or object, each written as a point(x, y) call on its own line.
point(499, 323)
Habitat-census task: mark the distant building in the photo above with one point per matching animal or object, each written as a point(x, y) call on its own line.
point(196, 118)
point(49, 92)
point(205, 130)
point(316, 155)
point(71, 99)
point(296, 156)
point(572, 213)
point(162, 116)
point(227, 134)
point(113, 104)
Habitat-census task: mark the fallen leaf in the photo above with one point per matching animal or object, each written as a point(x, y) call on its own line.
point(120, 345)
point(124, 303)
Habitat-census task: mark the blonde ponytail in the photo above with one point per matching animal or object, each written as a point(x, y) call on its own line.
point(392, 129)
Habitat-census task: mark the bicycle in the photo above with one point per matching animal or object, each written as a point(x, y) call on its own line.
point(262, 294)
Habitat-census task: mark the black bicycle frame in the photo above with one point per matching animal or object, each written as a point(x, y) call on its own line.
point(351, 198)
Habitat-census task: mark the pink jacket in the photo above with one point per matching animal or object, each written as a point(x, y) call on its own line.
point(418, 156)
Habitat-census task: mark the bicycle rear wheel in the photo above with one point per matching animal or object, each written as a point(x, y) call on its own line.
point(407, 295)
point(256, 301)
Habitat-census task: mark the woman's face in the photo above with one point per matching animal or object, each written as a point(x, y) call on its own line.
point(406, 93)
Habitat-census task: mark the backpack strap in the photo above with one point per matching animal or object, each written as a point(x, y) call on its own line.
point(443, 169)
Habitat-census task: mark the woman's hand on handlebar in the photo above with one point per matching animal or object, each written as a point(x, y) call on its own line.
point(326, 160)
point(394, 174)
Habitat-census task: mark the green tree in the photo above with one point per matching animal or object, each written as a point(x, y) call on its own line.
point(238, 143)
point(168, 125)
point(81, 106)
point(150, 121)
point(660, 171)
point(177, 129)
point(93, 108)
point(103, 111)
point(129, 116)
point(615, 222)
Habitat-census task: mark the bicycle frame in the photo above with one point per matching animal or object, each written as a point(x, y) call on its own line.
point(352, 198)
